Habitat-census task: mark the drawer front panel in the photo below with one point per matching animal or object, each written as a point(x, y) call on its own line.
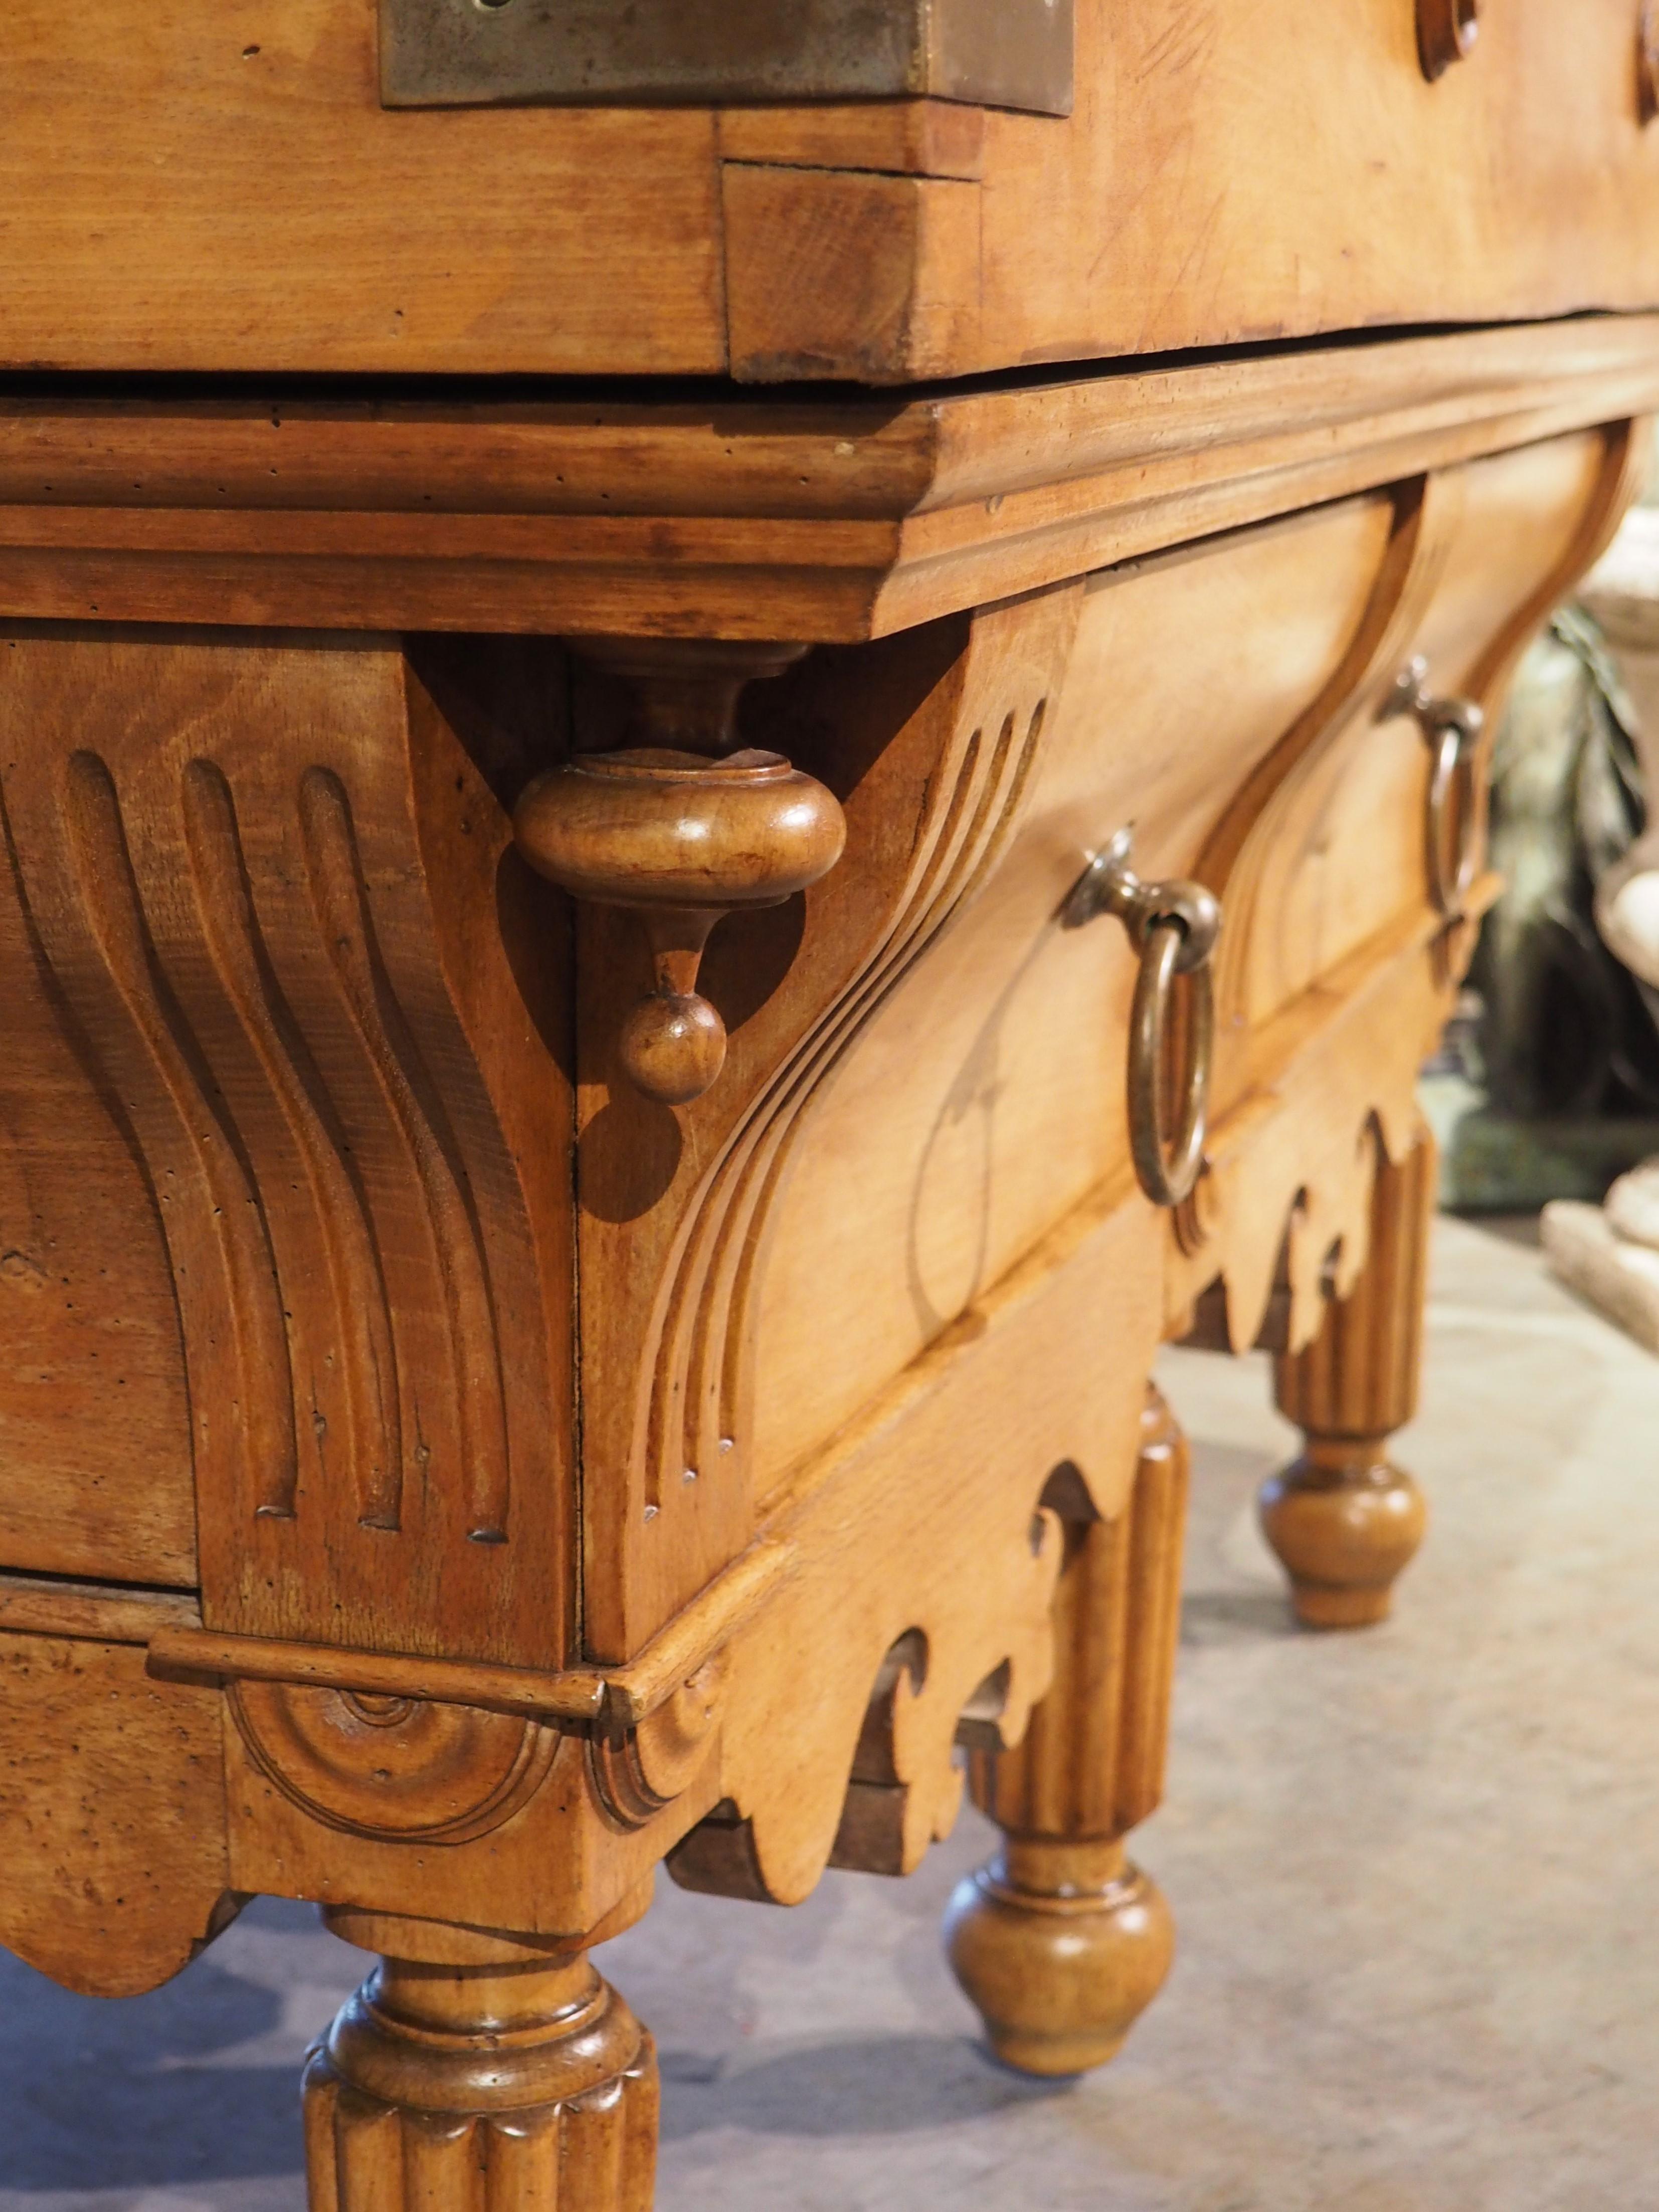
point(1244, 678)
point(1349, 846)
point(987, 1098)
point(1270, 170)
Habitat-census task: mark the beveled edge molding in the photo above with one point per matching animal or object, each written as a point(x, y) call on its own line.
point(656, 53)
point(610, 1696)
point(91, 1613)
point(837, 521)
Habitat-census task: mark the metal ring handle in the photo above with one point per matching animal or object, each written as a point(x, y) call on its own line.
point(1174, 927)
point(1453, 851)
point(1453, 728)
point(1168, 1162)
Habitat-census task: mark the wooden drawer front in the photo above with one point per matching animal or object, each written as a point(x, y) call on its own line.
point(1224, 702)
point(1228, 174)
point(1341, 851)
point(987, 1098)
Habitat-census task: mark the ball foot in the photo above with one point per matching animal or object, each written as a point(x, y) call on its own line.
point(1345, 1523)
point(1061, 1946)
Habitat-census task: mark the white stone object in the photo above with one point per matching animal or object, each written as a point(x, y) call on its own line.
point(1591, 1257)
point(1633, 1204)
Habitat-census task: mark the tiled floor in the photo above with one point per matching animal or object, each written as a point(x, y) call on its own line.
point(1414, 1872)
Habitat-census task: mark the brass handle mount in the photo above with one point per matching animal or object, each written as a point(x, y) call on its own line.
point(1452, 728)
point(1446, 32)
point(1174, 925)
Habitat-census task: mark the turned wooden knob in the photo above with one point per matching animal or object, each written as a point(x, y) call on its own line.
point(681, 839)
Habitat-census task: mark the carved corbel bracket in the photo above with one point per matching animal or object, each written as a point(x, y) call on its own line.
point(683, 827)
point(1446, 32)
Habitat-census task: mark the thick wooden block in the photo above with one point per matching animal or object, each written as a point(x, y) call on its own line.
point(184, 191)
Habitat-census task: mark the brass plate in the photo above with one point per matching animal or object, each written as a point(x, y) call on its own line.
point(993, 53)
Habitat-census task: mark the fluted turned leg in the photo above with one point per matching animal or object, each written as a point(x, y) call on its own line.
point(1060, 1942)
point(1343, 1518)
point(487, 2078)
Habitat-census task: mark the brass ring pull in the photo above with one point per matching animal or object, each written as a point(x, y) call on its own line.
point(1175, 927)
point(1453, 728)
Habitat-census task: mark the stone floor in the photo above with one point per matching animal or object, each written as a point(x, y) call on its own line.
point(1413, 1870)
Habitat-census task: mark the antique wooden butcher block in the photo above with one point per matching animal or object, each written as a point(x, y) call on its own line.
point(631, 1006)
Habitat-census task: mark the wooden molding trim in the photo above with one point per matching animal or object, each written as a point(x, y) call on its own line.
point(40, 1605)
point(743, 517)
point(618, 1697)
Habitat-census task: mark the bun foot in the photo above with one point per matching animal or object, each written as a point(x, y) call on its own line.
point(1345, 1523)
point(1061, 1946)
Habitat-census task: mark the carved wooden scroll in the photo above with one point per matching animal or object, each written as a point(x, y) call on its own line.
point(253, 875)
point(927, 741)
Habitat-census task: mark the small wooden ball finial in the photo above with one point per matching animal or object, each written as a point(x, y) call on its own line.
point(673, 1046)
point(682, 841)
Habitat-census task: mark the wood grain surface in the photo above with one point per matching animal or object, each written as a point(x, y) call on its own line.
point(212, 191)
point(112, 1805)
point(186, 191)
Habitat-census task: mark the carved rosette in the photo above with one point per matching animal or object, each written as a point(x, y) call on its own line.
point(396, 1768)
point(636, 1772)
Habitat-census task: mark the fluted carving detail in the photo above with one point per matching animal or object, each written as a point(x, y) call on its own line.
point(1091, 1762)
point(1343, 1518)
point(242, 867)
point(933, 817)
point(528, 2088)
point(1060, 1942)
